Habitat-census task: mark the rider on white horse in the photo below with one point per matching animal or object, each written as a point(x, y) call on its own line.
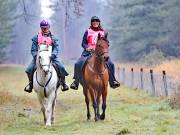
point(45, 36)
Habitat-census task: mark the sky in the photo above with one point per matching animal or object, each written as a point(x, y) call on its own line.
point(46, 11)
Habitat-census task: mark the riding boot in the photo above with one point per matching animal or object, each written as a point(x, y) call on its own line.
point(64, 85)
point(29, 87)
point(113, 82)
point(75, 84)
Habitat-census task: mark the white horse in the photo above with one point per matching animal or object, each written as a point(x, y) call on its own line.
point(44, 83)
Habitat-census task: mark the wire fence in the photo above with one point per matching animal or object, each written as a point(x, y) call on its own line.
point(154, 84)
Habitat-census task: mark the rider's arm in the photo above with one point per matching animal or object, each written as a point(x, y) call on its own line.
point(34, 47)
point(84, 41)
point(55, 51)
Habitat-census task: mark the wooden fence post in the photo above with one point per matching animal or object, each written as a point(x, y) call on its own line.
point(141, 79)
point(152, 82)
point(132, 77)
point(118, 73)
point(165, 82)
point(124, 76)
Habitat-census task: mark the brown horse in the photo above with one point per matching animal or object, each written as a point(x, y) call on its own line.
point(95, 78)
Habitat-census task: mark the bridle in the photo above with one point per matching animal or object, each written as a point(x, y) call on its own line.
point(100, 58)
point(41, 67)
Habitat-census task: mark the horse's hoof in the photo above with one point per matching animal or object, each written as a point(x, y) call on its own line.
point(102, 117)
point(48, 124)
point(52, 121)
point(96, 119)
point(88, 118)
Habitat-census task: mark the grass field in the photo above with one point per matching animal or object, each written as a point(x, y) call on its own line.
point(129, 111)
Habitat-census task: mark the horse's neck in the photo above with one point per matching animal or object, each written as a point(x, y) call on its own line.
point(98, 64)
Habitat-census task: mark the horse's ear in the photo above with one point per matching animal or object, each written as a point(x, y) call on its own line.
point(99, 36)
point(106, 35)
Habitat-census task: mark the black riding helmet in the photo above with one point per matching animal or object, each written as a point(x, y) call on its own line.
point(95, 18)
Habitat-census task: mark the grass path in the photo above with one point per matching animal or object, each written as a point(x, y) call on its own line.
point(129, 111)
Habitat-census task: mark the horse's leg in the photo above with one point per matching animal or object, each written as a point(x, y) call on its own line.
point(42, 108)
point(98, 102)
point(85, 91)
point(48, 113)
point(93, 98)
point(48, 108)
point(104, 95)
point(43, 111)
point(53, 108)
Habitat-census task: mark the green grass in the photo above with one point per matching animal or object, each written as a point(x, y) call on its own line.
point(128, 111)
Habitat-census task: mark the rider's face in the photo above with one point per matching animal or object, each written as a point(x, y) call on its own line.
point(95, 23)
point(45, 30)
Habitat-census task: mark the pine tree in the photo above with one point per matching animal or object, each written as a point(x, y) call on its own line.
point(7, 16)
point(138, 27)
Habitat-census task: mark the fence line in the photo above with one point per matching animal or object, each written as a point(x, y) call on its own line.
point(154, 84)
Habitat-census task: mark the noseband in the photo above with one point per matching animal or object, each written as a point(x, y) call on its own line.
point(100, 55)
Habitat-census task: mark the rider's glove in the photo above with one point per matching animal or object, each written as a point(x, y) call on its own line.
point(53, 56)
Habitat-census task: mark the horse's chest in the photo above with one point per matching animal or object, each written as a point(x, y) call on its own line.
point(97, 80)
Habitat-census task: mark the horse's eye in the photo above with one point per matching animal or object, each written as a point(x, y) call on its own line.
point(99, 45)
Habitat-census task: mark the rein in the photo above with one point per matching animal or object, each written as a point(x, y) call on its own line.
point(100, 58)
point(93, 70)
point(44, 86)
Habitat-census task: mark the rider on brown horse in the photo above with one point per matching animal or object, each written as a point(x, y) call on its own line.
point(89, 43)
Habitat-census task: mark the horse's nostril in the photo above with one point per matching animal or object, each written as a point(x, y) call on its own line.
point(106, 58)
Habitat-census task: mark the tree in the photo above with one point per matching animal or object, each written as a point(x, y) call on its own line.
point(138, 27)
point(27, 26)
point(7, 16)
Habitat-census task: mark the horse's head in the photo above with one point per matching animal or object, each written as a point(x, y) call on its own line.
point(102, 47)
point(44, 57)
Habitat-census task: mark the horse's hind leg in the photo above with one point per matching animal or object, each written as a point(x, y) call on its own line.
point(104, 95)
point(85, 91)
